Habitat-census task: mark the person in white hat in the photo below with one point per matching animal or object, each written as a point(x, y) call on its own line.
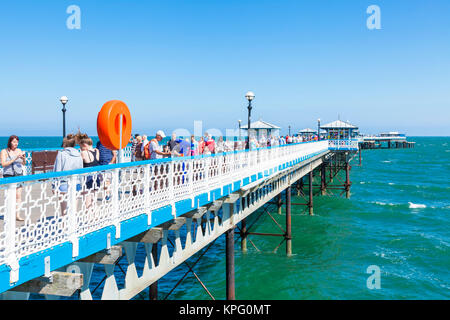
point(155, 148)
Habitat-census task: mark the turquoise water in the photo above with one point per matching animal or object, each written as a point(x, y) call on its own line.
point(397, 218)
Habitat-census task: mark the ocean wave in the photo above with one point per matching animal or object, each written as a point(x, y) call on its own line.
point(391, 183)
point(383, 203)
point(416, 206)
point(386, 161)
point(435, 238)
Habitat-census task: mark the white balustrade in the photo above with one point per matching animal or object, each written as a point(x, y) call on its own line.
point(65, 206)
point(346, 144)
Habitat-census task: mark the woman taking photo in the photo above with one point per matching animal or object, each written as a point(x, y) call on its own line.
point(12, 161)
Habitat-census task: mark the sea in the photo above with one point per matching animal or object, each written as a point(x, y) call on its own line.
point(390, 240)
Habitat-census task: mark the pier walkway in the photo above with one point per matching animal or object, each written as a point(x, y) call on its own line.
point(75, 219)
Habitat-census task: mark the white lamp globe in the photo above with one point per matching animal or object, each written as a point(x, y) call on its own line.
point(250, 96)
point(64, 99)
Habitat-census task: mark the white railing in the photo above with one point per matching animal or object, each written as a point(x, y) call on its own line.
point(348, 144)
point(29, 156)
point(63, 206)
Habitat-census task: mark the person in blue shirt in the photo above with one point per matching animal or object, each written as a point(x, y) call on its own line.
point(106, 156)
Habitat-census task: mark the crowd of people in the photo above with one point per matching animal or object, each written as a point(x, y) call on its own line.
point(143, 149)
point(13, 159)
point(13, 162)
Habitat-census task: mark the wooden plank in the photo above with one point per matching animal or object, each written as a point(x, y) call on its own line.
point(232, 198)
point(150, 236)
point(197, 213)
point(174, 224)
point(64, 284)
point(103, 257)
point(215, 206)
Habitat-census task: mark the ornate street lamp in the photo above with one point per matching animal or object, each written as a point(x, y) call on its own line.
point(239, 129)
point(64, 100)
point(249, 96)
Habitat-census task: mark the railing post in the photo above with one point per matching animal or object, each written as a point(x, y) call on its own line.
point(10, 230)
point(191, 180)
point(207, 166)
point(147, 179)
point(116, 198)
point(172, 186)
point(72, 215)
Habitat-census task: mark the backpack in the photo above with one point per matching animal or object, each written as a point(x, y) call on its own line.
point(138, 152)
point(147, 151)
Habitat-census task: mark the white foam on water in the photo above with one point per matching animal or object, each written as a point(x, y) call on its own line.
point(383, 203)
point(386, 161)
point(416, 206)
point(391, 183)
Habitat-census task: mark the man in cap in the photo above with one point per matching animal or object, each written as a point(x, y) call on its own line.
point(155, 148)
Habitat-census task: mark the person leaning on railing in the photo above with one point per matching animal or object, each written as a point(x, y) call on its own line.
point(13, 160)
point(155, 148)
point(67, 159)
point(91, 158)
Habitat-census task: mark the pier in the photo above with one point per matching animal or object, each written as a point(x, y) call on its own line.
point(390, 140)
point(175, 207)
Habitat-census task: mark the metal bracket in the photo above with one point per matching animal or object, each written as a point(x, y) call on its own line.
point(108, 243)
point(48, 276)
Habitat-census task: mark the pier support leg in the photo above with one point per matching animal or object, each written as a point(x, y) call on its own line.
point(288, 222)
point(230, 264)
point(347, 180)
point(310, 203)
point(279, 203)
point(360, 160)
point(243, 236)
point(300, 187)
point(322, 180)
point(330, 167)
point(153, 290)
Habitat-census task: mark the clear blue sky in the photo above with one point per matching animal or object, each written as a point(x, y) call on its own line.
point(174, 62)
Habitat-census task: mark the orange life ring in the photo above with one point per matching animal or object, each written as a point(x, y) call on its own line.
point(108, 124)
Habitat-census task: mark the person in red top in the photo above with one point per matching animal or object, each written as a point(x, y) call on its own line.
point(201, 145)
point(211, 144)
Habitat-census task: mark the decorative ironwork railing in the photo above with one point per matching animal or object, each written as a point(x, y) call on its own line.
point(58, 207)
point(349, 144)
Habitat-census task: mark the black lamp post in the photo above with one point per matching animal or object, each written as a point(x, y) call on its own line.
point(250, 96)
point(318, 129)
point(64, 100)
point(239, 130)
point(289, 131)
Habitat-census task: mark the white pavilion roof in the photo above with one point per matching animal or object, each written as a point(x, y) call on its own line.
point(260, 124)
point(338, 124)
point(308, 130)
